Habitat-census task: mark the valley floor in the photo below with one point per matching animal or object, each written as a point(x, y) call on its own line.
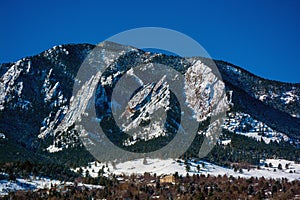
point(269, 169)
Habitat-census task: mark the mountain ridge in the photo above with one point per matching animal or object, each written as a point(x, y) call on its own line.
point(35, 97)
point(218, 60)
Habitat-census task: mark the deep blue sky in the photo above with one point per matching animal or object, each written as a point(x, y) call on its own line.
point(260, 36)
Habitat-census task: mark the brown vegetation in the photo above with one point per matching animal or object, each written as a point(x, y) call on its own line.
point(190, 187)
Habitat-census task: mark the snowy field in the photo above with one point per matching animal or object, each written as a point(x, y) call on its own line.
point(31, 184)
point(25, 184)
point(289, 170)
point(170, 166)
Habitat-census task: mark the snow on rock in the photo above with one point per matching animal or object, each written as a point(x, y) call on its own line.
point(107, 52)
point(57, 123)
point(156, 96)
point(8, 83)
point(69, 138)
point(203, 91)
point(79, 103)
point(28, 67)
point(52, 92)
point(48, 125)
point(49, 90)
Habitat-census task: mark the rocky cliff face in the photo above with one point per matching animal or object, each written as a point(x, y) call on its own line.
point(38, 109)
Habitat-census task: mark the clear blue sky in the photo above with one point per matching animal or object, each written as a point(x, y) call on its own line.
point(260, 36)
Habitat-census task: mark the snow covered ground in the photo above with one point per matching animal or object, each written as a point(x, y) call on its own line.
point(171, 166)
point(290, 170)
point(25, 184)
point(31, 184)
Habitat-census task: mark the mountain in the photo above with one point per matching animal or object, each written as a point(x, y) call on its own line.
point(38, 109)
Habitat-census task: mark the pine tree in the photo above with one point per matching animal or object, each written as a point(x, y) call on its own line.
point(187, 167)
point(100, 172)
point(80, 171)
point(287, 166)
point(198, 168)
point(270, 165)
point(145, 161)
point(87, 173)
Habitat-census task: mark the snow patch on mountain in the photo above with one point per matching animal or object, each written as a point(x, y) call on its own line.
point(55, 51)
point(225, 142)
point(244, 124)
point(234, 70)
point(2, 136)
point(284, 98)
point(289, 97)
point(263, 97)
point(52, 149)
